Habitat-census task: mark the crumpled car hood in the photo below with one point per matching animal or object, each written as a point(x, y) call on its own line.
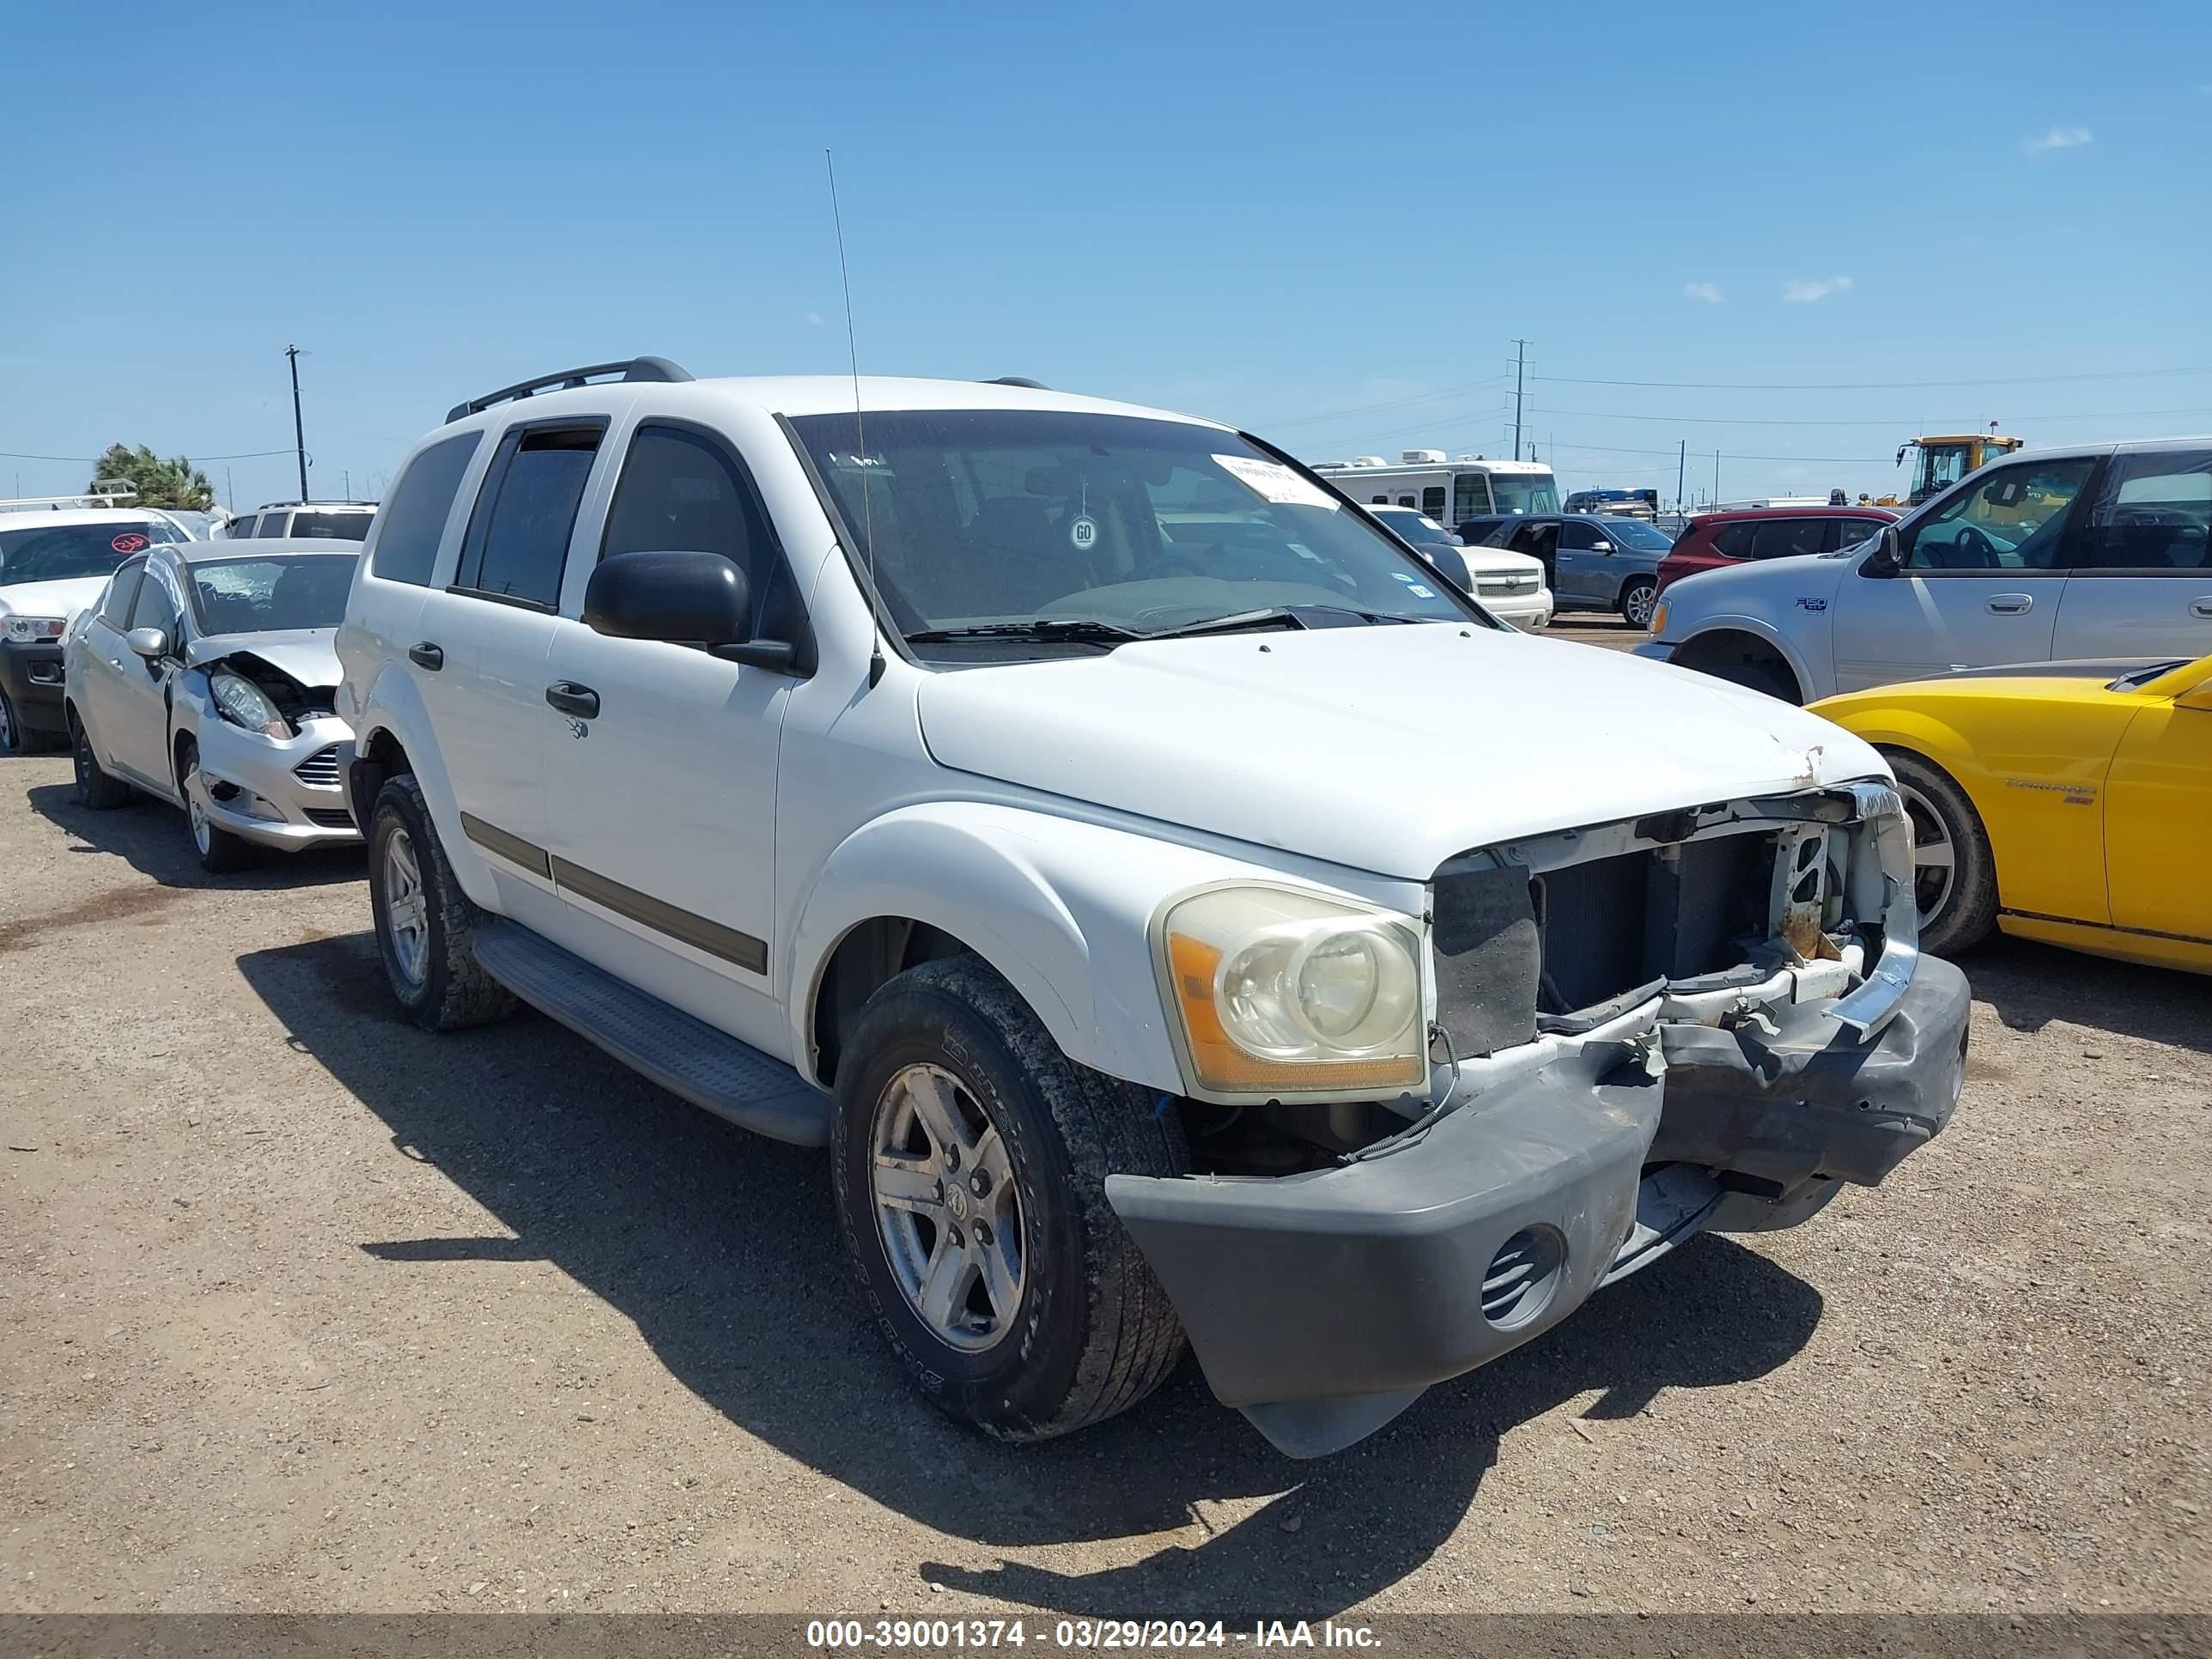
point(308, 655)
point(1388, 748)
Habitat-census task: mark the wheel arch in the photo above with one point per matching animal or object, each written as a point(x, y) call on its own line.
point(1714, 640)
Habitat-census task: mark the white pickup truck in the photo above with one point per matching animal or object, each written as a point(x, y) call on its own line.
point(1070, 814)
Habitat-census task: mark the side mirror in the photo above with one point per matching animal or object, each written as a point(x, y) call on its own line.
point(682, 599)
point(1601, 547)
point(1887, 558)
point(151, 643)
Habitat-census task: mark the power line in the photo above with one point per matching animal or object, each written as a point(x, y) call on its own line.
point(1872, 386)
point(1394, 403)
point(1916, 423)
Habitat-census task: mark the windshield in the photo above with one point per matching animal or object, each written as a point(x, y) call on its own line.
point(331, 526)
point(1525, 492)
point(998, 518)
point(53, 553)
point(263, 596)
point(1414, 527)
point(1634, 533)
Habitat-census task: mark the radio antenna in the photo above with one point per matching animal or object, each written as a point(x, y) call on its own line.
point(860, 437)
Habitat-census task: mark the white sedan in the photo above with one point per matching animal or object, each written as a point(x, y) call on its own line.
point(203, 676)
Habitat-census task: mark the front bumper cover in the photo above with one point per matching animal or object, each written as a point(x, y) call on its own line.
point(1323, 1305)
point(313, 814)
point(32, 676)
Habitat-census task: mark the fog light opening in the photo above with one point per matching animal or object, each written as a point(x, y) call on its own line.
point(1523, 1277)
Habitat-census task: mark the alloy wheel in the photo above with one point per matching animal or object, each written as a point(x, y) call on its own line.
point(1935, 857)
point(946, 1209)
point(406, 910)
point(196, 808)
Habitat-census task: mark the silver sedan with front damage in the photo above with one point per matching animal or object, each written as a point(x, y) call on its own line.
point(203, 676)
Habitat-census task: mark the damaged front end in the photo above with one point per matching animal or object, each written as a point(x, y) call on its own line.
point(1707, 1018)
point(270, 743)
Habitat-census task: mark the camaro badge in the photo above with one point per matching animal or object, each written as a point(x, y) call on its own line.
point(2076, 794)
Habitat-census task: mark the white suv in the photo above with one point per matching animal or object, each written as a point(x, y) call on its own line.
point(1066, 812)
point(2095, 553)
point(335, 521)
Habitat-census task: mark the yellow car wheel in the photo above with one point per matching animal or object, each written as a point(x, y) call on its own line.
point(1954, 876)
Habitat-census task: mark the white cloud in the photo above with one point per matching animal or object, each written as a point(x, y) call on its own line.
point(1708, 292)
point(814, 318)
point(2061, 138)
point(1804, 291)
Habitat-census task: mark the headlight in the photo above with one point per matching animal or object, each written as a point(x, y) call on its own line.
point(1281, 993)
point(31, 630)
point(1658, 619)
point(244, 703)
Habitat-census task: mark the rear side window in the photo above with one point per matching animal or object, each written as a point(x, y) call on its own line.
point(1850, 532)
point(1732, 541)
point(415, 518)
point(1787, 538)
point(115, 610)
point(331, 526)
point(2154, 513)
point(518, 534)
point(273, 524)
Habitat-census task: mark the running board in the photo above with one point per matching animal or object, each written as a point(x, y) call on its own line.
point(685, 1055)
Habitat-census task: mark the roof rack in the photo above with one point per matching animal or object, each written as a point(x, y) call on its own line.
point(637, 368)
point(267, 506)
point(119, 490)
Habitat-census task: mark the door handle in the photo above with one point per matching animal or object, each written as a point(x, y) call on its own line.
point(424, 654)
point(2201, 607)
point(2012, 605)
point(577, 702)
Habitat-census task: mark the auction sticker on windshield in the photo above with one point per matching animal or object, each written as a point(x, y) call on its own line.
point(1273, 481)
point(131, 541)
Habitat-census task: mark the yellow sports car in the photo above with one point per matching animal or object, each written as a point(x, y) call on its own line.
point(2067, 802)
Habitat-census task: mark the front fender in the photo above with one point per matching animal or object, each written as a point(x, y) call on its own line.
point(394, 705)
point(1060, 908)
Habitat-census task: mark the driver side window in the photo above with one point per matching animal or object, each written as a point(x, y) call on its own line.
point(2012, 520)
point(156, 608)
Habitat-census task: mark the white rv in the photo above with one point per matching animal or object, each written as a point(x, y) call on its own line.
point(1450, 492)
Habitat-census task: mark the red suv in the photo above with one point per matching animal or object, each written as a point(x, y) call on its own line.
point(1720, 539)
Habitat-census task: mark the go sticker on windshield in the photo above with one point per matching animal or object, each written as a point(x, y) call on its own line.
point(1083, 532)
point(1414, 585)
point(1273, 481)
point(130, 541)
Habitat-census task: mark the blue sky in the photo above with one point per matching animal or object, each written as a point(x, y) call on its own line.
point(1268, 215)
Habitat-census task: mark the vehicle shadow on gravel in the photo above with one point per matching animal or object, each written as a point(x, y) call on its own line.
point(2030, 985)
point(720, 1248)
point(153, 838)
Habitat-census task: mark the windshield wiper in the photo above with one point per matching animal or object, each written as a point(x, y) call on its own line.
point(1038, 628)
point(1273, 616)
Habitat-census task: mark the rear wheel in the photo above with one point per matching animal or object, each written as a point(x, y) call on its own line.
point(970, 1157)
point(220, 852)
point(1954, 873)
point(95, 788)
point(1637, 600)
point(425, 925)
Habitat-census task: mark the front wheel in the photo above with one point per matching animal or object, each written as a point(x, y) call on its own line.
point(220, 852)
point(1636, 601)
point(425, 925)
point(970, 1160)
point(1954, 880)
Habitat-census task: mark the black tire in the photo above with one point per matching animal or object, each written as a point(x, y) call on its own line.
point(1093, 1332)
point(95, 787)
point(449, 990)
point(1636, 596)
point(13, 740)
point(1967, 909)
point(1759, 677)
point(220, 852)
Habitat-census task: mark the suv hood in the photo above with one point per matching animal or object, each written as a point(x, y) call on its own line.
point(1387, 749)
point(62, 598)
point(306, 655)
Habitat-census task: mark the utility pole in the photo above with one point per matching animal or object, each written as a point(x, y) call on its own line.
point(1681, 466)
point(1519, 364)
point(1717, 475)
point(347, 476)
point(229, 491)
point(298, 433)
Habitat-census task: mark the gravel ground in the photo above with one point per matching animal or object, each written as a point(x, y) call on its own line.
point(307, 1310)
